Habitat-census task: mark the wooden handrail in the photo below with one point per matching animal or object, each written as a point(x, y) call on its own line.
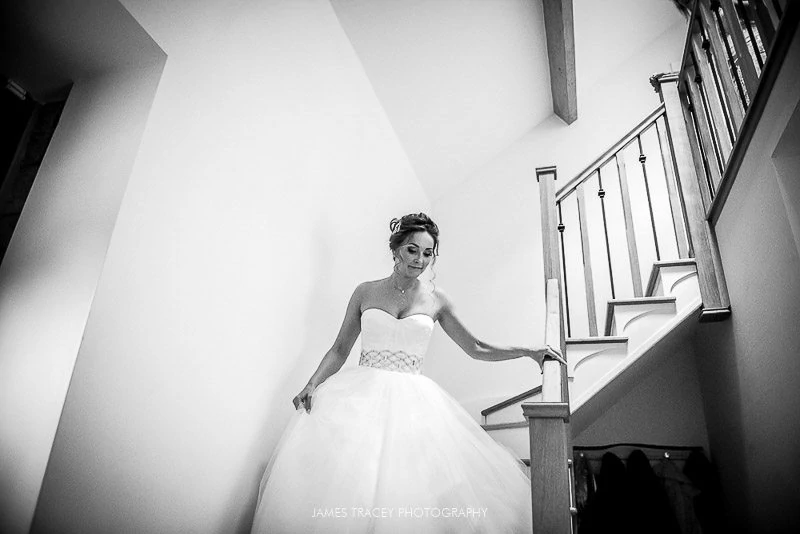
point(511, 401)
point(606, 156)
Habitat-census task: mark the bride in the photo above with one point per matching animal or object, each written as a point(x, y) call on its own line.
point(380, 447)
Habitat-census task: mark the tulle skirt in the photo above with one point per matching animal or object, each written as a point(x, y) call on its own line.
point(385, 451)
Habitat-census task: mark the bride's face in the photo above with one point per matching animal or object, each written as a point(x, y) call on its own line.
point(415, 254)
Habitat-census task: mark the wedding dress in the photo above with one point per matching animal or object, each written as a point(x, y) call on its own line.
point(385, 449)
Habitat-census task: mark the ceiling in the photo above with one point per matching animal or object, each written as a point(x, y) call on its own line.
point(461, 80)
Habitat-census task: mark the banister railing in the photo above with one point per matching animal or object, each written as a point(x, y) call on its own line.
point(511, 401)
point(651, 195)
point(734, 50)
point(728, 48)
point(623, 212)
point(570, 186)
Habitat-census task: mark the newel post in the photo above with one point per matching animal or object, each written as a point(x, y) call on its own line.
point(713, 291)
point(548, 421)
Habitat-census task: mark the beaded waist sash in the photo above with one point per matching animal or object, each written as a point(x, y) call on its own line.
point(391, 360)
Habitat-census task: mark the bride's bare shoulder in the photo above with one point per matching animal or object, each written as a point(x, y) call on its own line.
point(370, 285)
point(440, 294)
point(442, 300)
point(368, 288)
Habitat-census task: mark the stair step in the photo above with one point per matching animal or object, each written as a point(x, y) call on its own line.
point(579, 351)
point(504, 426)
point(657, 266)
point(596, 339)
point(637, 301)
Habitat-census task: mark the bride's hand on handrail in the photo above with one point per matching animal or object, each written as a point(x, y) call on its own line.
point(542, 353)
point(304, 398)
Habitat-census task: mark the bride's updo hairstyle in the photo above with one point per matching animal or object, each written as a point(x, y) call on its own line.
point(408, 224)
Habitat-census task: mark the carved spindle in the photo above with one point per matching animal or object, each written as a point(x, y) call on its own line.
point(627, 212)
point(708, 89)
point(561, 228)
point(743, 58)
point(764, 22)
point(747, 21)
point(725, 91)
point(696, 145)
point(720, 41)
point(642, 160)
point(679, 222)
point(602, 194)
point(708, 144)
point(588, 277)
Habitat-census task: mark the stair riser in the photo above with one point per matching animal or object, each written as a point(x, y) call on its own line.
point(638, 322)
point(516, 439)
point(679, 282)
point(589, 363)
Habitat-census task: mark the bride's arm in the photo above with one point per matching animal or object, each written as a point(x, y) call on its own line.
point(480, 350)
point(337, 354)
point(348, 333)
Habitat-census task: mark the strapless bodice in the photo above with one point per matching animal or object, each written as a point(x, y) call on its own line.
point(394, 344)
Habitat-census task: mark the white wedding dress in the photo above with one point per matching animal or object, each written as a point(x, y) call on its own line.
point(385, 449)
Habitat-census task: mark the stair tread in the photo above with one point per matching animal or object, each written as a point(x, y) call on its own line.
point(596, 339)
point(669, 263)
point(641, 300)
point(504, 426)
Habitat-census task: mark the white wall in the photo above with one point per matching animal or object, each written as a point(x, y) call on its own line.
point(460, 81)
point(666, 408)
point(260, 197)
point(786, 172)
point(786, 159)
point(749, 366)
point(51, 269)
point(491, 233)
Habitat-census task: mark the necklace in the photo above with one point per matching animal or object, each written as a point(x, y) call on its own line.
point(400, 289)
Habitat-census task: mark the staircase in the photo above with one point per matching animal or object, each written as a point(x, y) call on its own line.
point(645, 206)
point(602, 369)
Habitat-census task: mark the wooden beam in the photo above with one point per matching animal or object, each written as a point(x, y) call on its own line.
point(560, 34)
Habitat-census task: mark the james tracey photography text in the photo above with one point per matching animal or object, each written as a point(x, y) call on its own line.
point(410, 512)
